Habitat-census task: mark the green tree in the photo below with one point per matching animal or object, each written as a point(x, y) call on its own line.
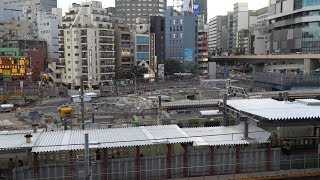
point(139, 71)
point(172, 66)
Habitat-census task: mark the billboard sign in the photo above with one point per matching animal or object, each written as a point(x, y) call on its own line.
point(188, 54)
point(197, 8)
point(187, 5)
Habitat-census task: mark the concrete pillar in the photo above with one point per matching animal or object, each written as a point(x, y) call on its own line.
point(238, 148)
point(269, 157)
point(307, 66)
point(185, 160)
point(257, 68)
point(169, 161)
point(211, 160)
point(138, 163)
point(35, 165)
point(105, 163)
point(71, 160)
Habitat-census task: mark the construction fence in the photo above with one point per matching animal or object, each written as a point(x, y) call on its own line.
point(199, 163)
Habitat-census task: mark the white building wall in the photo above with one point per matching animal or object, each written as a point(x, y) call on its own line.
point(47, 29)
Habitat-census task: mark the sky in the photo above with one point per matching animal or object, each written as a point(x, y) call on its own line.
point(215, 7)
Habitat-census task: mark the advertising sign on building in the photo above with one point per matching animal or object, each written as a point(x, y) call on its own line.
point(188, 54)
point(197, 8)
point(187, 5)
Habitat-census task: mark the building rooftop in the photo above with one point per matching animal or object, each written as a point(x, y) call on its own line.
point(271, 109)
point(54, 141)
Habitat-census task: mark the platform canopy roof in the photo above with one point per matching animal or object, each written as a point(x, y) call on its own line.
point(54, 141)
point(271, 109)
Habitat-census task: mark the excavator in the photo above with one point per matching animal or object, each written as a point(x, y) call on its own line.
point(4, 99)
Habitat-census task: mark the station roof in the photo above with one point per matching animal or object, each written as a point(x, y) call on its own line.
point(54, 141)
point(271, 109)
point(231, 135)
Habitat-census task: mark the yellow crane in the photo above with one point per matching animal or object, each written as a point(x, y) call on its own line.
point(8, 96)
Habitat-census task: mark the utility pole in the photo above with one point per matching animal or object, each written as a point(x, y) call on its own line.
point(87, 156)
point(82, 101)
point(225, 98)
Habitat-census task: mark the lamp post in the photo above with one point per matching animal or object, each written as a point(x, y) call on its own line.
point(135, 83)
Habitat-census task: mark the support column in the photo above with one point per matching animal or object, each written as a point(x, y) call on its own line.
point(211, 160)
point(185, 160)
point(35, 165)
point(269, 157)
point(238, 148)
point(138, 163)
point(105, 163)
point(71, 160)
point(169, 161)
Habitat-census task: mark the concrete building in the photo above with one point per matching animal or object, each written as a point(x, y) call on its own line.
point(17, 9)
point(86, 46)
point(123, 47)
point(218, 35)
point(295, 28)
point(47, 30)
point(181, 36)
point(157, 27)
point(239, 25)
point(130, 11)
point(203, 9)
point(202, 54)
point(258, 31)
point(14, 29)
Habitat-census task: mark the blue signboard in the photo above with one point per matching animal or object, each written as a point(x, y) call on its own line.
point(197, 8)
point(188, 54)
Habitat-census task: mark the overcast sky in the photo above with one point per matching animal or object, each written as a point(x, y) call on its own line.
point(215, 7)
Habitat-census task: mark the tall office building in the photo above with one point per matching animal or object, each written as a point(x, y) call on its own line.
point(129, 11)
point(202, 9)
point(294, 26)
point(14, 9)
point(218, 35)
point(158, 28)
point(86, 45)
point(181, 36)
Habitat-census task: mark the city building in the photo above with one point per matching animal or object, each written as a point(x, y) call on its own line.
point(157, 26)
point(295, 28)
point(258, 31)
point(239, 28)
point(181, 36)
point(47, 29)
point(218, 35)
point(123, 47)
point(86, 46)
point(201, 10)
point(202, 54)
point(24, 9)
point(130, 11)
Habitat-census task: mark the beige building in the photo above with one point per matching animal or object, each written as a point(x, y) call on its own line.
point(86, 46)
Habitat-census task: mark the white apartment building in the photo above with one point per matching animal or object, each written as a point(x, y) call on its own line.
point(240, 24)
point(86, 46)
point(47, 29)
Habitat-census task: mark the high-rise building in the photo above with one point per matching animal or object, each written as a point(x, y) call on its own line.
point(202, 54)
point(157, 26)
point(258, 31)
point(129, 11)
point(86, 45)
point(218, 35)
point(181, 36)
point(294, 26)
point(240, 26)
point(13, 9)
point(47, 29)
point(123, 47)
point(202, 9)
